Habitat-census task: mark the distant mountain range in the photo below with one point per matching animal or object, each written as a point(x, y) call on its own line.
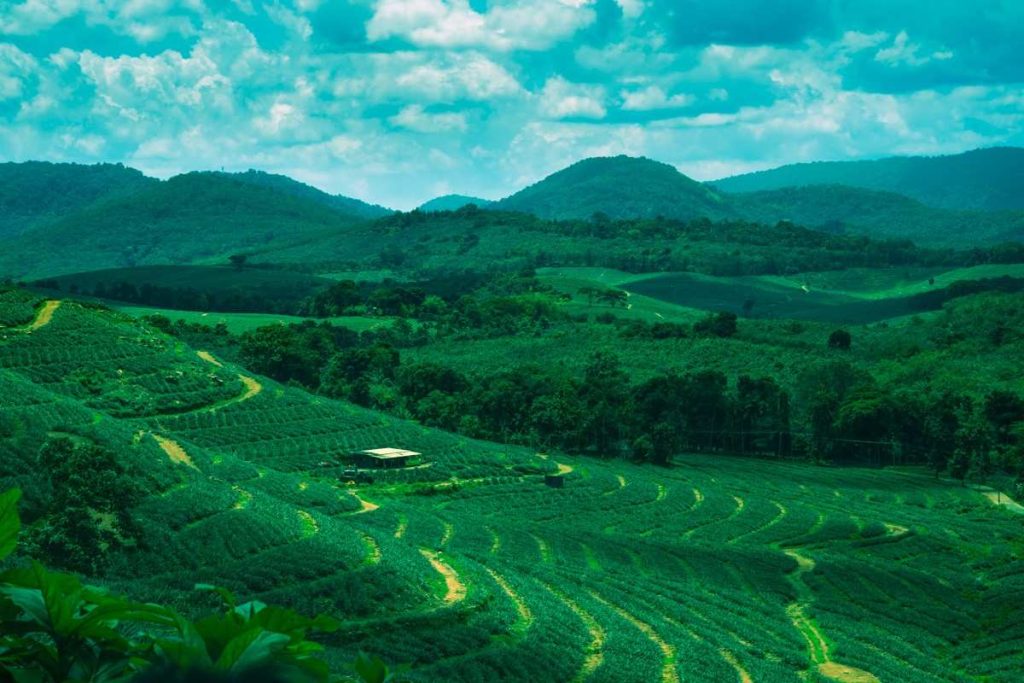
point(453, 202)
point(65, 218)
point(987, 179)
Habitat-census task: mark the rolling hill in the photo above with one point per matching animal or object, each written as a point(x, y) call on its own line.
point(984, 179)
point(469, 568)
point(452, 202)
point(191, 218)
point(286, 185)
point(882, 215)
point(35, 192)
point(619, 187)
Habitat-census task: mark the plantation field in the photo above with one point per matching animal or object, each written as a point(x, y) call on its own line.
point(469, 568)
point(238, 323)
point(853, 296)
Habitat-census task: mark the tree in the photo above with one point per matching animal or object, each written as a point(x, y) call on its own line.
point(840, 339)
point(722, 324)
point(238, 260)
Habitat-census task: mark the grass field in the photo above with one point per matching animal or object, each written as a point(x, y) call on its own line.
point(469, 568)
point(853, 296)
point(237, 323)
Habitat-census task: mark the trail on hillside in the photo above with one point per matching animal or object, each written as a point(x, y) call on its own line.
point(455, 589)
point(208, 357)
point(364, 505)
point(373, 551)
point(310, 527)
point(174, 451)
point(669, 674)
point(1005, 501)
point(816, 642)
point(525, 618)
point(595, 651)
point(43, 317)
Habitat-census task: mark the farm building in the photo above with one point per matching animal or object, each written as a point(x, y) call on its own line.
point(384, 457)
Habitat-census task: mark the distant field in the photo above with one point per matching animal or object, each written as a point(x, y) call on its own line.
point(854, 296)
point(237, 323)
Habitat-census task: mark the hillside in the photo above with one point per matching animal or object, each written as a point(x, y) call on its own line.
point(192, 218)
point(882, 215)
point(984, 179)
point(466, 565)
point(619, 187)
point(281, 183)
point(452, 202)
point(35, 192)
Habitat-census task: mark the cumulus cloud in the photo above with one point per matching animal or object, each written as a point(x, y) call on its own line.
point(560, 99)
point(387, 99)
point(652, 97)
point(520, 24)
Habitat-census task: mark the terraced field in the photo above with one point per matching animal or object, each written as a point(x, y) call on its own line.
point(469, 568)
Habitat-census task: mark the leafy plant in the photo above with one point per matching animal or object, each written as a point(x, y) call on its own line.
point(55, 628)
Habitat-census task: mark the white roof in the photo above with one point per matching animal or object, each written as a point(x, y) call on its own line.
point(386, 453)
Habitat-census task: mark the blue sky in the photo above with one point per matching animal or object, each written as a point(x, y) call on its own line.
point(396, 101)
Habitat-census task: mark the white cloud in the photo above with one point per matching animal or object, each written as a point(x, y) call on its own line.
point(519, 24)
point(415, 118)
point(560, 99)
point(902, 51)
point(652, 97)
point(143, 20)
point(15, 67)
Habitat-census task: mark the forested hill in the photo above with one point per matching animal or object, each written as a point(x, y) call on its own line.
point(35, 192)
point(619, 187)
point(192, 218)
point(989, 179)
point(453, 202)
point(282, 183)
point(882, 215)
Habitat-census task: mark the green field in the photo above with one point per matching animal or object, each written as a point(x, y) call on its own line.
point(853, 296)
point(469, 568)
point(238, 323)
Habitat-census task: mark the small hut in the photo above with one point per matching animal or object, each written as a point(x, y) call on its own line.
point(384, 458)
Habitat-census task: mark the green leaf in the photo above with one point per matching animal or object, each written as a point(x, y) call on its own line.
point(252, 647)
point(227, 596)
point(371, 669)
point(10, 524)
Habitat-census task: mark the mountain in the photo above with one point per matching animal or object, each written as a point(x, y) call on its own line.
point(340, 203)
point(35, 192)
point(884, 215)
point(191, 218)
point(452, 202)
point(619, 187)
point(987, 179)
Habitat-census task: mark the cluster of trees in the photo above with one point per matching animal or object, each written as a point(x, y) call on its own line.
point(88, 507)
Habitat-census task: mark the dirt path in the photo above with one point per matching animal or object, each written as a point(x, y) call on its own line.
point(543, 548)
point(310, 527)
point(816, 642)
point(595, 651)
point(208, 357)
point(1005, 501)
point(731, 660)
point(243, 500)
point(669, 674)
point(174, 451)
point(44, 316)
point(455, 589)
point(525, 618)
point(446, 535)
point(662, 492)
point(403, 526)
point(563, 468)
point(373, 552)
point(364, 505)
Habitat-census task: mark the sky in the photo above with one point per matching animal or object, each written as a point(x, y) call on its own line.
point(398, 101)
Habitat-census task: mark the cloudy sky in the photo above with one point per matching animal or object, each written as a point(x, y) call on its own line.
point(396, 101)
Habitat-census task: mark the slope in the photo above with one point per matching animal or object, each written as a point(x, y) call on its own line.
point(281, 183)
point(885, 215)
point(986, 179)
point(35, 192)
point(619, 187)
point(192, 218)
point(452, 202)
